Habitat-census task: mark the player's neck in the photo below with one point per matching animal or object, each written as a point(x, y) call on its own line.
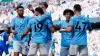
point(39, 15)
point(77, 13)
point(20, 16)
point(44, 11)
point(67, 21)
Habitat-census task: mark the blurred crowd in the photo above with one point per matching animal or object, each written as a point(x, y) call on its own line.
point(91, 9)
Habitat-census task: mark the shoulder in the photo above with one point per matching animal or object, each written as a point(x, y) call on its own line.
point(4, 33)
point(47, 13)
point(14, 18)
point(73, 17)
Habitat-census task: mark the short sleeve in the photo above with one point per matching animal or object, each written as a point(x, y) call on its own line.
point(71, 21)
point(29, 24)
point(13, 22)
point(48, 23)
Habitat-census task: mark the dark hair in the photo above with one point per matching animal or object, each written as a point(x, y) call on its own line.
point(44, 3)
point(77, 7)
point(1, 31)
point(19, 7)
point(39, 10)
point(68, 11)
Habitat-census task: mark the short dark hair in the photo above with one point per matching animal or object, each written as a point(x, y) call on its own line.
point(44, 3)
point(19, 7)
point(77, 7)
point(39, 10)
point(68, 11)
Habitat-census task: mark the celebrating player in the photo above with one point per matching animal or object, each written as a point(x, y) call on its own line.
point(39, 34)
point(18, 26)
point(79, 25)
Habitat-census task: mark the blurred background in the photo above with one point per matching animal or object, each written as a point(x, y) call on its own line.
point(90, 9)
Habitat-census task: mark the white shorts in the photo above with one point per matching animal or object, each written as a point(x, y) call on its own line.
point(64, 51)
point(34, 47)
point(11, 52)
point(82, 49)
point(52, 51)
point(48, 46)
point(21, 47)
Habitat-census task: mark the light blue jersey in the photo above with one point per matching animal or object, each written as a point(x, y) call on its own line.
point(46, 15)
point(39, 30)
point(20, 25)
point(49, 36)
point(80, 25)
point(66, 37)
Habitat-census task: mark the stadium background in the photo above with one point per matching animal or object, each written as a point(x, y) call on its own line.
point(91, 9)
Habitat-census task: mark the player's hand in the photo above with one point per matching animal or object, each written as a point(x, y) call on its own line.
point(30, 7)
point(56, 27)
point(21, 37)
point(61, 29)
point(14, 32)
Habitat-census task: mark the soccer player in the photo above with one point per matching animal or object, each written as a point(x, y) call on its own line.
point(78, 24)
point(18, 26)
point(39, 34)
point(44, 6)
point(45, 16)
point(66, 37)
point(3, 40)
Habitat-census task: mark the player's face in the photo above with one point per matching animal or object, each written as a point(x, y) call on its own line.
point(68, 15)
point(43, 7)
point(29, 6)
point(20, 11)
point(36, 13)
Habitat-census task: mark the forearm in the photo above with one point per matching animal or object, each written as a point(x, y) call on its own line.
point(44, 17)
point(69, 29)
point(56, 27)
point(32, 11)
point(52, 29)
point(25, 33)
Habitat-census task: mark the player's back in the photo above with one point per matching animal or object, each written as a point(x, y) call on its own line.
point(39, 30)
point(80, 25)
